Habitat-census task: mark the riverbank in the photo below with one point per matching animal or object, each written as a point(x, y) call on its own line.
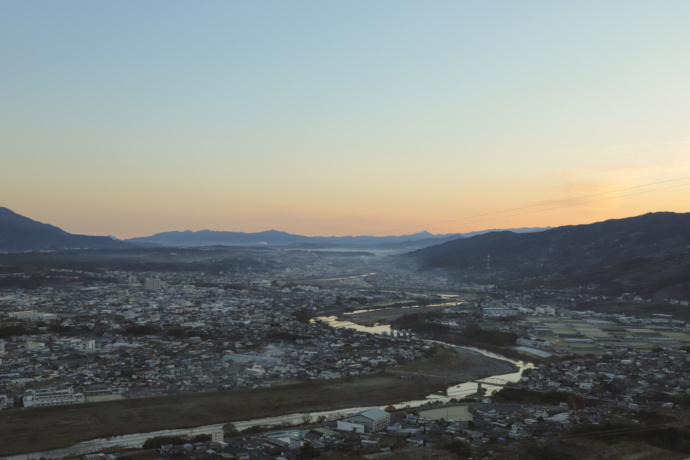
point(481, 365)
point(35, 429)
point(386, 315)
point(40, 429)
point(460, 363)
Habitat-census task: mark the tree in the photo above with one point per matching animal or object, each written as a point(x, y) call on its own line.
point(158, 441)
point(390, 409)
point(230, 430)
point(201, 438)
point(177, 332)
point(302, 315)
point(12, 331)
point(576, 402)
point(461, 448)
point(307, 450)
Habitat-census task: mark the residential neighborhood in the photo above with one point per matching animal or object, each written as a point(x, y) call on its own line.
point(113, 340)
point(125, 335)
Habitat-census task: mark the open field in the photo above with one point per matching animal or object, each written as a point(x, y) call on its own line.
point(387, 312)
point(38, 429)
point(388, 315)
point(457, 413)
point(606, 335)
point(459, 362)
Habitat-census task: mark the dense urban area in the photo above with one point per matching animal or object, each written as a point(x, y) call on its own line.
point(587, 373)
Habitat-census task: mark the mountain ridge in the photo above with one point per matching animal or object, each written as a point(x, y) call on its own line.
point(19, 233)
point(281, 238)
point(620, 252)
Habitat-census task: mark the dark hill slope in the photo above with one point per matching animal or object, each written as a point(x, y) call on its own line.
point(19, 233)
point(641, 250)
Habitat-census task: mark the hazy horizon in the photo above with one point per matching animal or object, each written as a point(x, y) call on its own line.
point(391, 233)
point(351, 118)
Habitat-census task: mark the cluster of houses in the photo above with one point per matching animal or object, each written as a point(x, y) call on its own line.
point(627, 378)
point(108, 341)
point(179, 332)
point(376, 430)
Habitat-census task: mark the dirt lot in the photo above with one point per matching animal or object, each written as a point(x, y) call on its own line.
point(457, 413)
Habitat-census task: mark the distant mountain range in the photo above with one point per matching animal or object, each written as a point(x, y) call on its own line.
point(648, 253)
point(19, 233)
point(276, 238)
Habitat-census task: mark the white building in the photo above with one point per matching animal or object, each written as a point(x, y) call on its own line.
point(52, 397)
point(152, 283)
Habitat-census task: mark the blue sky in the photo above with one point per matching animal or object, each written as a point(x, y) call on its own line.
point(356, 117)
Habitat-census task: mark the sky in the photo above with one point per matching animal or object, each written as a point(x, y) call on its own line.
point(353, 117)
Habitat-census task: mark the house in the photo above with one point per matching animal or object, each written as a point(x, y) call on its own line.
point(419, 439)
point(411, 419)
point(4, 402)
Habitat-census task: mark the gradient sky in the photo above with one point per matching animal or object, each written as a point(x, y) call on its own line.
point(336, 118)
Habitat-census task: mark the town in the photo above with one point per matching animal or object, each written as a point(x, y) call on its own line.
point(126, 335)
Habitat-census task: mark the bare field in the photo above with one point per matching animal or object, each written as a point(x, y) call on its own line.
point(39, 429)
point(457, 413)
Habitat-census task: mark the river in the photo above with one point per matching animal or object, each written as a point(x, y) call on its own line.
point(456, 391)
point(137, 440)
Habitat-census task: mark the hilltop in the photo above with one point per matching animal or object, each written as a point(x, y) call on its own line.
point(648, 254)
point(19, 233)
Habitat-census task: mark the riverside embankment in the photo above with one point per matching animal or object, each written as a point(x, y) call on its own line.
point(60, 431)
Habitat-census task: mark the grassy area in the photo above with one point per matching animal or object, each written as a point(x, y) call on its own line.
point(446, 362)
point(450, 362)
point(37, 429)
point(388, 316)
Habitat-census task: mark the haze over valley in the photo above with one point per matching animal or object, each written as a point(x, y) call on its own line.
point(296, 230)
point(186, 328)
